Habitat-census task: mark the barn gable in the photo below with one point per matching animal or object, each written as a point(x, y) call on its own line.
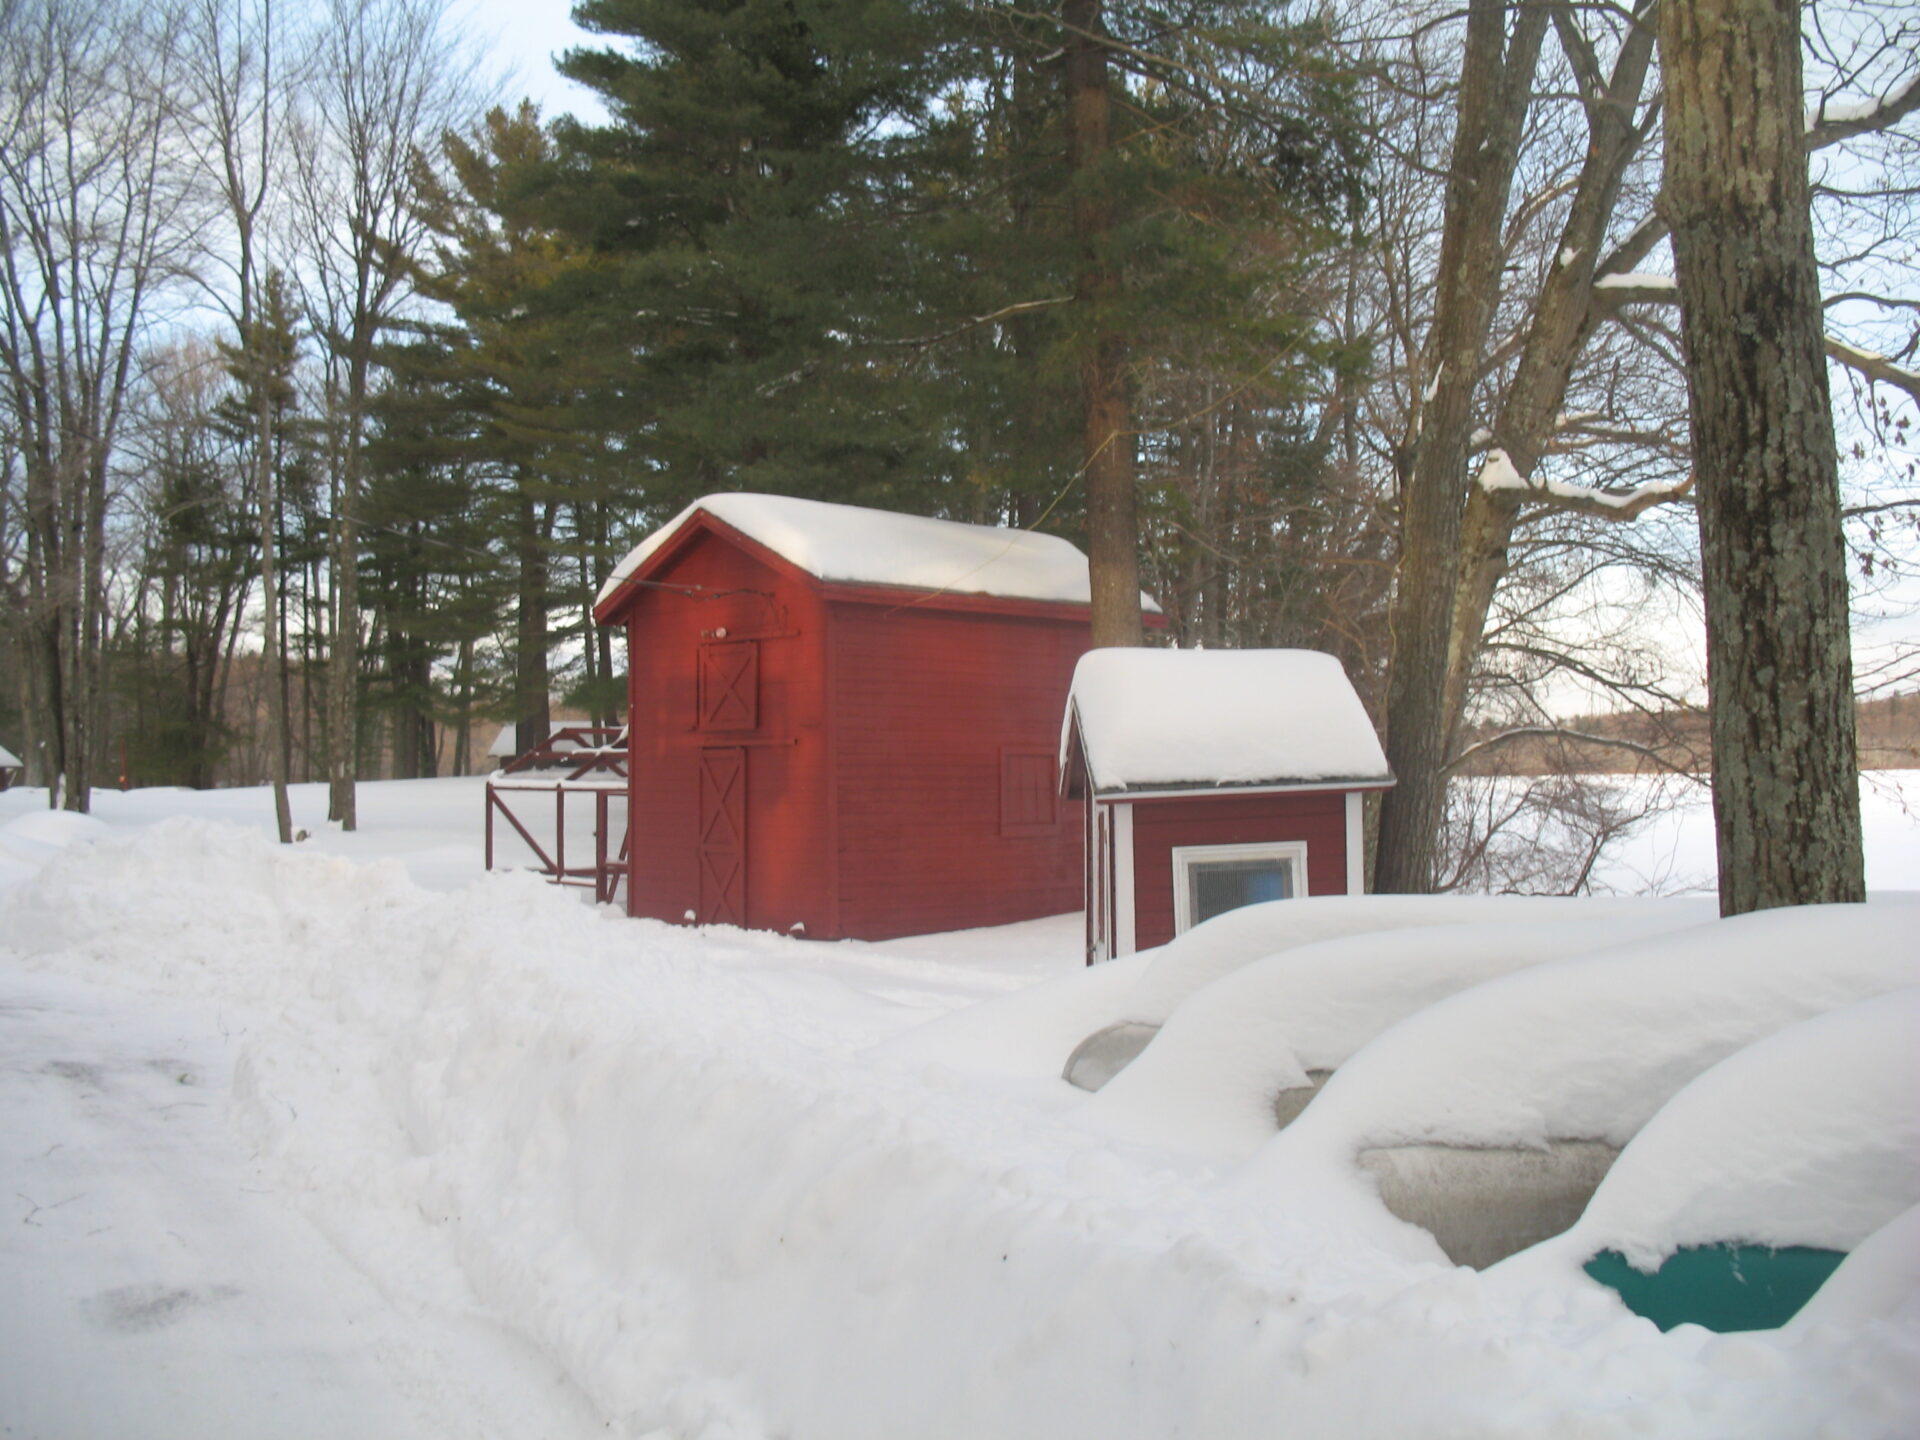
point(843, 721)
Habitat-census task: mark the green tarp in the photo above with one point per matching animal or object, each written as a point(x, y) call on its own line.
point(1723, 1287)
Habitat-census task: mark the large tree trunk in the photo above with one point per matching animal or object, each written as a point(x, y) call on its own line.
point(1496, 83)
point(1113, 524)
point(1779, 666)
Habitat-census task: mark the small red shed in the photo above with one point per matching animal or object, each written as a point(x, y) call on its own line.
point(1211, 779)
point(844, 722)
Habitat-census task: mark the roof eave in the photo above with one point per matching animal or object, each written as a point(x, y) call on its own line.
point(1182, 789)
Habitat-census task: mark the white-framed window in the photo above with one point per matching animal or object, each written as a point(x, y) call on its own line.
point(1209, 880)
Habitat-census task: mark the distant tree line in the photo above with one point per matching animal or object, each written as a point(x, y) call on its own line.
point(331, 387)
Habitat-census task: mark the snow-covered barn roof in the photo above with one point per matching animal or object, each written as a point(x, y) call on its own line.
point(849, 543)
point(1174, 719)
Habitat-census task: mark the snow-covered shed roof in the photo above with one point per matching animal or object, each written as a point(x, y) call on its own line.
point(853, 544)
point(1171, 719)
point(8, 760)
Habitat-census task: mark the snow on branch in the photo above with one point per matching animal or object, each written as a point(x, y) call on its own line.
point(1625, 289)
point(1826, 125)
point(1498, 474)
point(1830, 124)
point(1875, 367)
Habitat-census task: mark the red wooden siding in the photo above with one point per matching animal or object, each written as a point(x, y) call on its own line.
point(1317, 817)
point(929, 708)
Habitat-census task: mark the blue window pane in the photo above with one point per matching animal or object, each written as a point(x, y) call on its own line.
point(1222, 885)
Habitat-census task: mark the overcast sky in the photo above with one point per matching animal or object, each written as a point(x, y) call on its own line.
point(522, 37)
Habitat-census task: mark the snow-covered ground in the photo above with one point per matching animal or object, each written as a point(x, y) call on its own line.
point(352, 1139)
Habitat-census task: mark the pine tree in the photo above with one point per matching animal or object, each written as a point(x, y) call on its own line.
point(536, 374)
point(749, 189)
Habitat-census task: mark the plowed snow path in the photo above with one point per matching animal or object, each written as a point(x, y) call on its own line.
point(138, 1242)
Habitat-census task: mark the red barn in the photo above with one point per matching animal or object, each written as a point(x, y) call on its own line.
point(844, 722)
point(1211, 779)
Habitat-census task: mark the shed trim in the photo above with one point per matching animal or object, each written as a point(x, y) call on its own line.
point(1284, 787)
point(1182, 858)
point(1124, 931)
point(1356, 845)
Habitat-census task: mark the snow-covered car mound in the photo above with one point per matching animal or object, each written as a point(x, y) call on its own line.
point(1488, 1119)
point(1756, 1180)
point(1878, 1283)
point(1243, 1055)
point(1192, 961)
point(28, 841)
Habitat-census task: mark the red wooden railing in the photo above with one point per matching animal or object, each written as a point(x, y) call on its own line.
point(575, 760)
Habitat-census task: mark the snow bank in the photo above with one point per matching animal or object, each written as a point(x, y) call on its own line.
point(673, 1162)
point(1810, 1136)
point(1026, 1035)
point(1589, 1048)
point(1158, 718)
point(28, 841)
point(1223, 944)
point(881, 547)
point(1207, 1082)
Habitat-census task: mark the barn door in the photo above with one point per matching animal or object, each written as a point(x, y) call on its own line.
point(730, 686)
point(723, 837)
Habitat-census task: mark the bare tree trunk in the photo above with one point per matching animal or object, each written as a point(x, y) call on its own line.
point(463, 688)
point(233, 50)
point(272, 645)
point(388, 80)
point(343, 679)
point(1113, 524)
point(1496, 85)
point(1563, 320)
point(1779, 666)
point(532, 710)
